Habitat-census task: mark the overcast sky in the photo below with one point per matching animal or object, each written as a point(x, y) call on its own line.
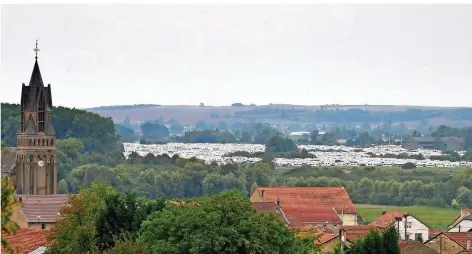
point(219, 54)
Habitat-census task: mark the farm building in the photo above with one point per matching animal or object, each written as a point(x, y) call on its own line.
point(451, 242)
point(304, 206)
point(407, 224)
point(38, 211)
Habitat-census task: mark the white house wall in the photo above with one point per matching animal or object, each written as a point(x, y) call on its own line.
point(465, 226)
point(416, 227)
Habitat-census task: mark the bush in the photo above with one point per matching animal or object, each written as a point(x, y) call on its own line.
point(409, 165)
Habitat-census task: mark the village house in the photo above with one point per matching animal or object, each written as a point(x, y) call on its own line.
point(405, 223)
point(310, 205)
point(38, 211)
point(328, 242)
point(451, 242)
point(414, 247)
point(463, 223)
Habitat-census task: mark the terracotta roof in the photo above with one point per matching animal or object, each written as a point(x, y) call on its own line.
point(267, 206)
point(459, 237)
point(330, 197)
point(324, 238)
point(386, 219)
point(435, 231)
point(300, 215)
point(415, 245)
point(27, 240)
point(47, 207)
point(467, 210)
point(403, 244)
point(353, 233)
point(273, 208)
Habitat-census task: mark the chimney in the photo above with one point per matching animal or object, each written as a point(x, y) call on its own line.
point(278, 201)
point(262, 194)
point(468, 243)
point(384, 212)
point(342, 234)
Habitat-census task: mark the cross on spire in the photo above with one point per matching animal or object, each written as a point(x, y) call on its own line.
point(36, 49)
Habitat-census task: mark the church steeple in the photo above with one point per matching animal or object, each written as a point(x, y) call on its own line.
point(36, 79)
point(36, 141)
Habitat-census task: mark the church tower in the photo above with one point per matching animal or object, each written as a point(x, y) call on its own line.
point(36, 160)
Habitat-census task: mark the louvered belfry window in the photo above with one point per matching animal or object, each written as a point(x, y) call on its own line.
point(41, 113)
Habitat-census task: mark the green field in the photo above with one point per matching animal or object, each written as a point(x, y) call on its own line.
point(441, 170)
point(433, 216)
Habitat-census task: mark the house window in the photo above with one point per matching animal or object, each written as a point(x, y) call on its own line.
point(408, 224)
point(418, 237)
point(43, 226)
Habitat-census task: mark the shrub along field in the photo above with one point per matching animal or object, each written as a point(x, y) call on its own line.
point(434, 217)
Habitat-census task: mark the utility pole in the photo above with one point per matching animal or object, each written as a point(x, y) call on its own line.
point(405, 216)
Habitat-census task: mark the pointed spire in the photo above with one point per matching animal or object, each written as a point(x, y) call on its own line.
point(30, 126)
point(36, 79)
point(49, 127)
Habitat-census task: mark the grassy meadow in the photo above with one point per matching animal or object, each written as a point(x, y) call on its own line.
point(433, 216)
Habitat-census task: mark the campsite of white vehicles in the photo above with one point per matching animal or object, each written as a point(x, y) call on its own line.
point(326, 156)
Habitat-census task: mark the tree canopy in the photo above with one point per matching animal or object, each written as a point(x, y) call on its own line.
point(225, 223)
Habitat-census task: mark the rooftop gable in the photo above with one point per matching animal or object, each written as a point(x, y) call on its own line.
point(459, 237)
point(330, 197)
point(42, 208)
point(353, 233)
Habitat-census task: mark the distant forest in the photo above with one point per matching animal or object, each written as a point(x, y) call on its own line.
point(117, 107)
point(357, 114)
point(96, 132)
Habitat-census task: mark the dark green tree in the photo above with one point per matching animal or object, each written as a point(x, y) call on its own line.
point(122, 217)
point(154, 131)
point(390, 239)
point(280, 145)
point(314, 136)
point(225, 223)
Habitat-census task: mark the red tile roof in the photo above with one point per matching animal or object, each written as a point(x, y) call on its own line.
point(353, 233)
point(270, 207)
point(386, 219)
point(403, 244)
point(418, 247)
point(435, 231)
point(326, 237)
point(459, 237)
point(27, 240)
point(330, 197)
point(300, 215)
point(42, 208)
